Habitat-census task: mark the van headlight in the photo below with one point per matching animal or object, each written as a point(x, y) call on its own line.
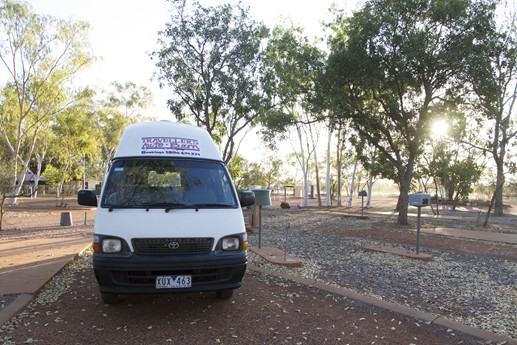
point(231, 243)
point(111, 245)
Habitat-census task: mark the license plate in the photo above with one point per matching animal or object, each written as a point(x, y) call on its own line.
point(173, 282)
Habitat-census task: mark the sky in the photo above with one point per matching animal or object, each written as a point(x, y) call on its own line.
point(123, 32)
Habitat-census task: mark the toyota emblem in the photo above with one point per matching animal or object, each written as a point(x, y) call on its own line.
point(173, 245)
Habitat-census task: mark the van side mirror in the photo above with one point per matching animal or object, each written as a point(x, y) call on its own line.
point(87, 197)
point(247, 198)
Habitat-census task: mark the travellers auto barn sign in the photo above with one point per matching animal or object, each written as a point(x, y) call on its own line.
point(170, 146)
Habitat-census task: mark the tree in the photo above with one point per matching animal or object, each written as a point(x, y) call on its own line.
point(295, 64)
point(462, 176)
point(55, 177)
point(245, 173)
point(40, 56)
point(211, 58)
point(491, 74)
point(121, 107)
point(391, 63)
point(272, 170)
point(73, 143)
point(450, 164)
point(251, 174)
point(129, 98)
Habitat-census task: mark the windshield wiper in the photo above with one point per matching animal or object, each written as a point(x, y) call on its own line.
point(111, 206)
point(198, 206)
point(212, 205)
point(166, 205)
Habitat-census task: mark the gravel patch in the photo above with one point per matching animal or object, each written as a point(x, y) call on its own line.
point(47, 232)
point(5, 300)
point(474, 290)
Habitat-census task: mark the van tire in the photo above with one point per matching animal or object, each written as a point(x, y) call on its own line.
point(224, 294)
point(109, 298)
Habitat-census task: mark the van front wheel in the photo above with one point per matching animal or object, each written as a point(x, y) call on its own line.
point(224, 294)
point(109, 298)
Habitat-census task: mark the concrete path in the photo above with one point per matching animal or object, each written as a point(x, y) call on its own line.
point(27, 265)
point(473, 234)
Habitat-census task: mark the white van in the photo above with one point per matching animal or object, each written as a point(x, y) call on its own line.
point(169, 219)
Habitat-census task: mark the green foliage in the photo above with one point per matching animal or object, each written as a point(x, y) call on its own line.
point(40, 56)
point(461, 179)
point(212, 59)
point(129, 99)
point(73, 143)
point(392, 65)
point(294, 64)
point(121, 107)
point(55, 176)
point(235, 167)
point(245, 173)
point(272, 167)
point(490, 74)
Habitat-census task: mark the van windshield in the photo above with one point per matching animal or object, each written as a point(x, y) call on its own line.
point(168, 183)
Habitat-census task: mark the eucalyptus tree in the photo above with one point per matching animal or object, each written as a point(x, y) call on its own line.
point(73, 143)
point(491, 75)
point(294, 64)
point(392, 62)
point(40, 56)
point(212, 60)
point(451, 165)
point(122, 105)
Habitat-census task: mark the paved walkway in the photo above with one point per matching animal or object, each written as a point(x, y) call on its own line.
point(27, 265)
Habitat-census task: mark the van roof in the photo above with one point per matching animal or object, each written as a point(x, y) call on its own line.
point(166, 138)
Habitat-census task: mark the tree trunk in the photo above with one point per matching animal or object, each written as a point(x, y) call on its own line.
point(39, 159)
point(328, 201)
point(370, 188)
point(498, 195)
point(25, 167)
point(492, 202)
point(437, 204)
point(316, 168)
point(12, 198)
point(402, 203)
point(352, 186)
point(304, 168)
point(2, 204)
point(317, 171)
point(338, 163)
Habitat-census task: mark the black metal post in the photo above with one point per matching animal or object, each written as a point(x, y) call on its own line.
point(260, 227)
point(418, 231)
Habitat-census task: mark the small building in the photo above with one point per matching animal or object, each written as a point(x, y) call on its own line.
point(29, 181)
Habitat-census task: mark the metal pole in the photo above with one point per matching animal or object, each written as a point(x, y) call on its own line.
point(260, 226)
point(286, 236)
point(418, 231)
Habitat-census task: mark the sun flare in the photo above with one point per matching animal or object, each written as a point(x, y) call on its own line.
point(439, 129)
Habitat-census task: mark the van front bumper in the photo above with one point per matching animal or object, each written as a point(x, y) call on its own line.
point(136, 274)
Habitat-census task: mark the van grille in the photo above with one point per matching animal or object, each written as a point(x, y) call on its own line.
point(172, 246)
